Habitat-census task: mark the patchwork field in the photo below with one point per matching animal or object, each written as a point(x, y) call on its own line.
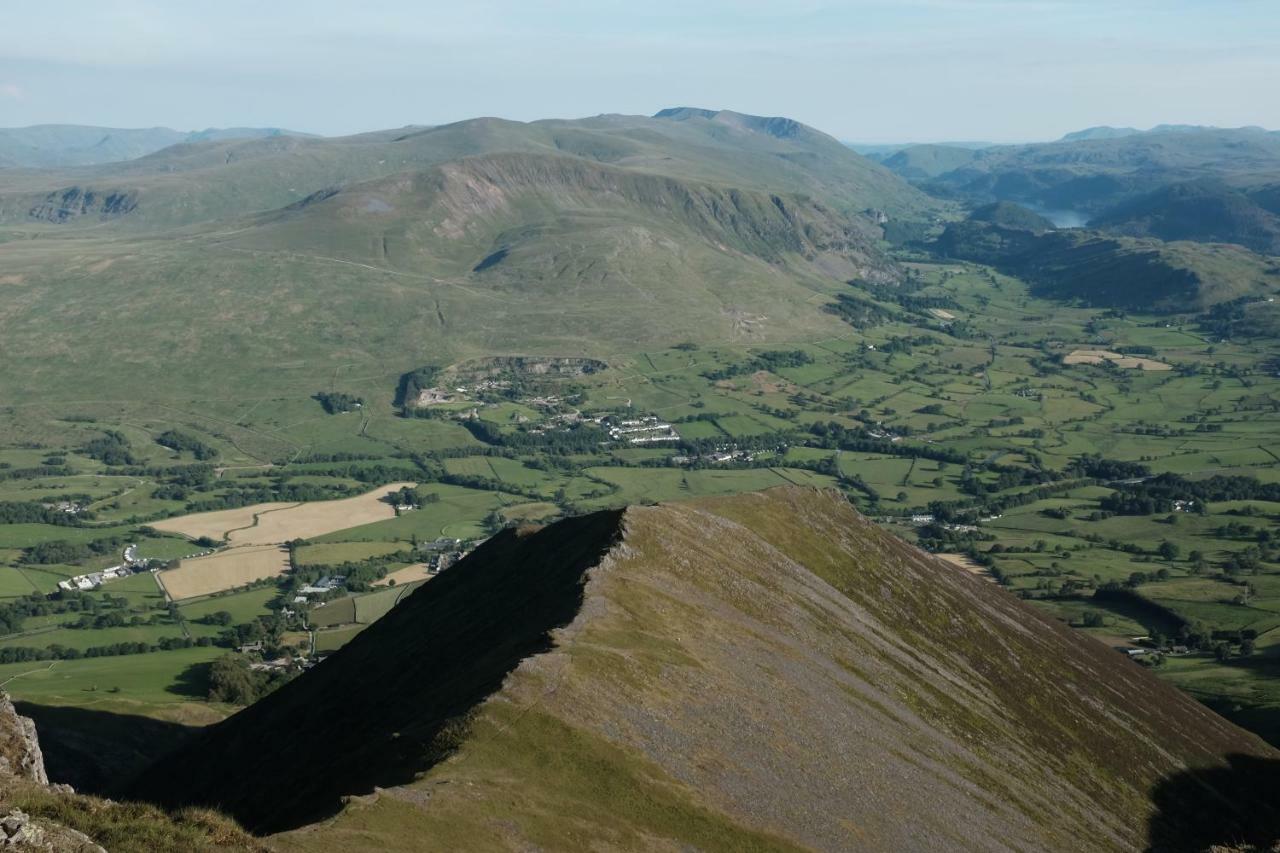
point(971, 418)
point(1100, 356)
point(224, 570)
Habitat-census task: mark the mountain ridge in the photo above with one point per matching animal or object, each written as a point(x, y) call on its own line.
point(45, 146)
point(202, 181)
point(768, 671)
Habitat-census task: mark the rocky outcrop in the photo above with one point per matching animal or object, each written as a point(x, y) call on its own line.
point(20, 753)
point(73, 202)
point(21, 771)
point(19, 831)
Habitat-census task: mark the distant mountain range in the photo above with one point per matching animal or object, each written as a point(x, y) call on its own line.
point(47, 146)
point(1175, 182)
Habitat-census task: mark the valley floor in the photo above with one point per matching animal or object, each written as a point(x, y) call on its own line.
point(1140, 505)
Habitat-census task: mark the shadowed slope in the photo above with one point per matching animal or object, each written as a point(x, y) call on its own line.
point(387, 705)
point(767, 671)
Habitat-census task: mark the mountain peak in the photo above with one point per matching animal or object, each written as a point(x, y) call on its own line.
point(776, 126)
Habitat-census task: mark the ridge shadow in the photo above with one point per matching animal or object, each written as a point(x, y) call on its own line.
point(395, 700)
point(1236, 807)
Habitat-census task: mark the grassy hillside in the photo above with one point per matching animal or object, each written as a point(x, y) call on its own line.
point(197, 182)
point(1010, 215)
point(274, 263)
point(763, 672)
point(508, 254)
point(920, 162)
point(1100, 270)
point(1205, 211)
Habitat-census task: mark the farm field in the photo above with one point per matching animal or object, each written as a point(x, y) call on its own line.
point(150, 685)
point(275, 523)
point(304, 521)
point(219, 524)
point(408, 574)
point(224, 570)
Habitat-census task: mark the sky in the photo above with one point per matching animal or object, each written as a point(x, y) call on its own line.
point(863, 70)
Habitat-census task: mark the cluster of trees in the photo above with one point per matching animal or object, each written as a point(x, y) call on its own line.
point(859, 313)
point(360, 574)
point(771, 360)
point(1098, 468)
point(47, 470)
point(233, 681)
point(1007, 477)
point(27, 512)
point(1158, 493)
point(337, 402)
point(413, 384)
point(111, 448)
point(64, 552)
point(14, 611)
point(373, 475)
point(414, 496)
point(181, 441)
point(577, 438)
point(833, 435)
point(907, 295)
point(19, 654)
point(279, 491)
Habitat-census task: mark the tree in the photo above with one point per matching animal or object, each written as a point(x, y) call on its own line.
point(1222, 652)
point(1169, 550)
point(232, 681)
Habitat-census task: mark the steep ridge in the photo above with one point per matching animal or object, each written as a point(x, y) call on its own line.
point(768, 671)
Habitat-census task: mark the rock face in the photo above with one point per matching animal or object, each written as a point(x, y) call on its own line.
point(20, 753)
point(74, 202)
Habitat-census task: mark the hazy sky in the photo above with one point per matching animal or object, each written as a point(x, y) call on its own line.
point(864, 70)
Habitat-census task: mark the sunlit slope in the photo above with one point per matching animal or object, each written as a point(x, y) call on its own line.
point(768, 671)
point(190, 183)
point(507, 254)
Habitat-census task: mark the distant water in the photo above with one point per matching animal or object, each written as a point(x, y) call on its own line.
point(1060, 218)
